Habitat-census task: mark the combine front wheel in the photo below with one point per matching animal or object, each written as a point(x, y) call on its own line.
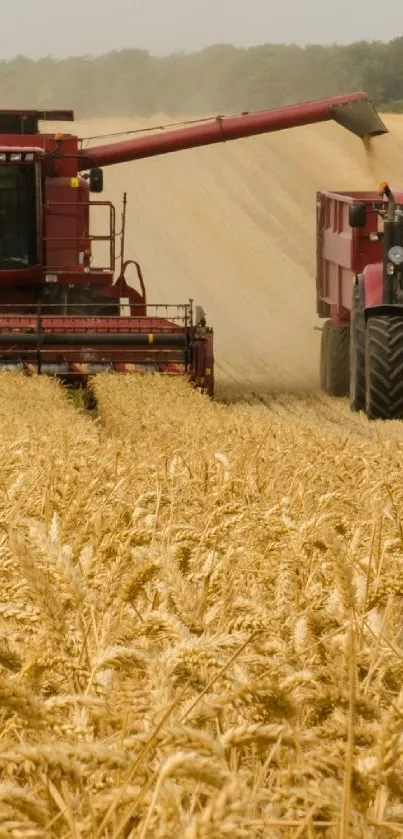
point(384, 368)
point(357, 355)
point(334, 359)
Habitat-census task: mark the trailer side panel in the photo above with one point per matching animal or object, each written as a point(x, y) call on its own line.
point(343, 252)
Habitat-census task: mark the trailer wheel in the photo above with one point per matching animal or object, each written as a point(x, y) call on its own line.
point(357, 354)
point(334, 359)
point(384, 368)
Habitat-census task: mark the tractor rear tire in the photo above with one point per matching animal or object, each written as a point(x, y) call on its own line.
point(334, 359)
point(384, 368)
point(357, 354)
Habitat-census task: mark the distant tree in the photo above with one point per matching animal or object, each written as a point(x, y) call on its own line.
point(218, 79)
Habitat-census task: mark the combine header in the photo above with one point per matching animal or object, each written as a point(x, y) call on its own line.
point(62, 315)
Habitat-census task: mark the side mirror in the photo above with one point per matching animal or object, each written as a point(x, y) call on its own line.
point(96, 180)
point(357, 215)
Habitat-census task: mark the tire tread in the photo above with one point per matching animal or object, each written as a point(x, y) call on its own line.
point(384, 366)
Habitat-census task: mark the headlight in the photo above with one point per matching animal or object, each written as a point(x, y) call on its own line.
point(396, 255)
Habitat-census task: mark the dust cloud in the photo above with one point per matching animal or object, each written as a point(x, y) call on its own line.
point(233, 226)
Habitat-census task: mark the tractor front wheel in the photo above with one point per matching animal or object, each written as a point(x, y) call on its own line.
point(384, 368)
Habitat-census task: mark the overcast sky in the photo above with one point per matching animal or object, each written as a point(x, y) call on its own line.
point(44, 27)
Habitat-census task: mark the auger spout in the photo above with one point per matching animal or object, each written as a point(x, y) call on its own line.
point(354, 111)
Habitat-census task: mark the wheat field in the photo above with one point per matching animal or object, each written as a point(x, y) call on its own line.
point(201, 602)
point(201, 612)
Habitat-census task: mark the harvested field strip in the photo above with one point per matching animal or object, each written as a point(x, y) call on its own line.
point(329, 414)
point(200, 619)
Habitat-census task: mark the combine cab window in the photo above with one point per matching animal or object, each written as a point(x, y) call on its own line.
point(18, 235)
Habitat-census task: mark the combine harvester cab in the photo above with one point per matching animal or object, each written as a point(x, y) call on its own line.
point(360, 292)
point(62, 315)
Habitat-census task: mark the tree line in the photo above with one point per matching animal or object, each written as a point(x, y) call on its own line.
point(218, 79)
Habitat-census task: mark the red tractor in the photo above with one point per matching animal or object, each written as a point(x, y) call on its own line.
point(360, 292)
point(62, 315)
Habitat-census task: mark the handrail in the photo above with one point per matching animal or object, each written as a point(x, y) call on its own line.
point(86, 237)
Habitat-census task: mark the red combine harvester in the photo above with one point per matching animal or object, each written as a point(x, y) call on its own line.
point(62, 315)
point(360, 291)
